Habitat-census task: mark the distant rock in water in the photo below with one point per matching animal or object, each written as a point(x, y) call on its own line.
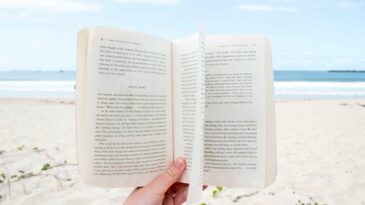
point(61, 71)
point(348, 71)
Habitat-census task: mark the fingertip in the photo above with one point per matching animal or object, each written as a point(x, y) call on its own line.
point(173, 173)
point(180, 163)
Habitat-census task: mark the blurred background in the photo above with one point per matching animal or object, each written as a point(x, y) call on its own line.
point(318, 49)
point(38, 39)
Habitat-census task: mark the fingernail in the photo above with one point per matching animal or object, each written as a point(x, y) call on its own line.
point(179, 163)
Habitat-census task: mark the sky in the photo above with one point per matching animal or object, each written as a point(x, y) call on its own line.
point(305, 35)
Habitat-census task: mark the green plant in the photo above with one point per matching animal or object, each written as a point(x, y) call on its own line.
point(23, 176)
point(2, 177)
point(20, 148)
point(45, 167)
point(300, 202)
point(216, 191)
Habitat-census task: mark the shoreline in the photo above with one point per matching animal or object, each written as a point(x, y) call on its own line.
point(40, 100)
point(72, 101)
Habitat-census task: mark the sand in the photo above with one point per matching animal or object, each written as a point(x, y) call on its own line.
point(321, 156)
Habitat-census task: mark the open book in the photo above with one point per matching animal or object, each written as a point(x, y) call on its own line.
point(143, 101)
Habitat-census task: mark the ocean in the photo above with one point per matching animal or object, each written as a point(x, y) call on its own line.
point(288, 84)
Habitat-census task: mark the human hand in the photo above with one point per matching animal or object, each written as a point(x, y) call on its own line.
point(162, 190)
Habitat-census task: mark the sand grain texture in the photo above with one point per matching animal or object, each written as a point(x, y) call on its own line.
point(321, 156)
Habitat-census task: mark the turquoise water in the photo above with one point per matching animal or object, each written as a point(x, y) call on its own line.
point(37, 75)
point(37, 84)
point(288, 84)
point(285, 76)
point(319, 76)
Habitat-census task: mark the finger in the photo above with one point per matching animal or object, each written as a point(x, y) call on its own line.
point(168, 200)
point(178, 186)
point(204, 187)
point(162, 183)
point(181, 197)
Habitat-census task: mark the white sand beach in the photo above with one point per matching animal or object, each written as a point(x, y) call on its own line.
point(321, 156)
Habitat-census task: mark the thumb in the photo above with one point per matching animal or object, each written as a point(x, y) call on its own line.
point(163, 182)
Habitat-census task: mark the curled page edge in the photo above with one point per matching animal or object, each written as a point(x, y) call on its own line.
point(197, 165)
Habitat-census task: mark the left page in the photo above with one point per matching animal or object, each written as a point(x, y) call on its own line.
point(124, 111)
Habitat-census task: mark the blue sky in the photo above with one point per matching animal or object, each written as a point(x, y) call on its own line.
point(305, 35)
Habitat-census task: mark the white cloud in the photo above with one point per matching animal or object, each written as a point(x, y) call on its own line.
point(266, 8)
point(161, 2)
point(15, 16)
point(349, 4)
point(342, 61)
point(50, 5)
point(294, 5)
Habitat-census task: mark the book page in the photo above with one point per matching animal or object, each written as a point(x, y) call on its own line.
point(188, 98)
point(271, 155)
point(235, 113)
point(125, 110)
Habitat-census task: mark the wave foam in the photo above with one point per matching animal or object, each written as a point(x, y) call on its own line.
point(65, 89)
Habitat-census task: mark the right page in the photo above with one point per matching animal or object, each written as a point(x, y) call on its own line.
point(239, 114)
